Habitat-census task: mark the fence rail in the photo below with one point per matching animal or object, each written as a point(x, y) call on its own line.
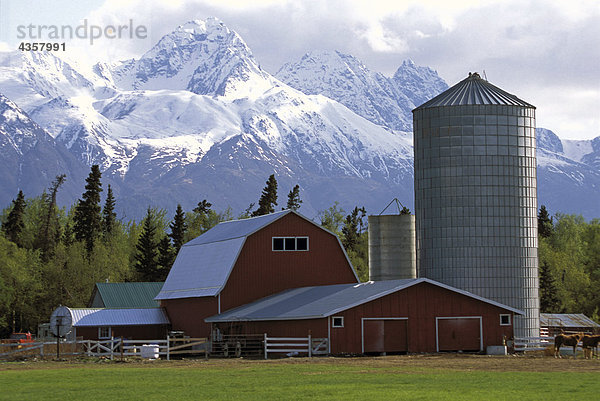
point(295, 345)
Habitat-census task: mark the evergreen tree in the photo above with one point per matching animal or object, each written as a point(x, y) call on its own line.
point(166, 257)
point(146, 255)
point(203, 207)
point(294, 200)
point(268, 198)
point(88, 220)
point(545, 226)
point(179, 227)
point(350, 231)
point(50, 229)
point(14, 225)
point(549, 302)
point(109, 217)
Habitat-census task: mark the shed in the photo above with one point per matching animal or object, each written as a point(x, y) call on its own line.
point(136, 323)
point(240, 261)
point(394, 316)
point(125, 295)
point(556, 323)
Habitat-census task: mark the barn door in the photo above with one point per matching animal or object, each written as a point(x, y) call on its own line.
point(459, 334)
point(385, 335)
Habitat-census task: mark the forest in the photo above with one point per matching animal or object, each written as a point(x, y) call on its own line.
point(51, 256)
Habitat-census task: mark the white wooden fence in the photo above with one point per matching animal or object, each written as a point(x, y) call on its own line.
point(295, 345)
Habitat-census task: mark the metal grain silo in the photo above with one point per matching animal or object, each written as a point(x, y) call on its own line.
point(392, 251)
point(475, 195)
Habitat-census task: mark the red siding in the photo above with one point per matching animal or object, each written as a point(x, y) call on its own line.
point(420, 304)
point(188, 314)
point(260, 271)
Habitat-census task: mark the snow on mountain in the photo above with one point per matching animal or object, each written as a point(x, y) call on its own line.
point(384, 101)
point(31, 159)
point(197, 118)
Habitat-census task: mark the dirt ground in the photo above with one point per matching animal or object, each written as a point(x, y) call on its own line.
point(407, 363)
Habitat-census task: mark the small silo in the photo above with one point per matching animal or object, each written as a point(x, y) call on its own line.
point(392, 250)
point(475, 195)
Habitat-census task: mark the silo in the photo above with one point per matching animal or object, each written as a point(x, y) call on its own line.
point(475, 195)
point(392, 251)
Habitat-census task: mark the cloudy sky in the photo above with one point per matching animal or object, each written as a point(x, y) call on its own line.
point(546, 52)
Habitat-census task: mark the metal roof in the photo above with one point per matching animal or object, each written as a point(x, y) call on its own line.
point(118, 317)
point(474, 90)
point(566, 320)
point(204, 264)
point(323, 301)
point(128, 295)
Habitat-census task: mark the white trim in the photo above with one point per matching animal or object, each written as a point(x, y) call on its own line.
point(437, 337)
point(362, 328)
point(295, 244)
point(329, 334)
point(100, 336)
point(509, 319)
point(333, 325)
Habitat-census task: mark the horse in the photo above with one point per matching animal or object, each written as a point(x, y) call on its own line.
point(563, 339)
point(589, 343)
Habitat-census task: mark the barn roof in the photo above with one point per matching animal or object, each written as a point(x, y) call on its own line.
point(82, 317)
point(204, 264)
point(566, 320)
point(324, 301)
point(125, 295)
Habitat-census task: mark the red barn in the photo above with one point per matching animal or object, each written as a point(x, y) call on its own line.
point(414, 315)
point(241, 261)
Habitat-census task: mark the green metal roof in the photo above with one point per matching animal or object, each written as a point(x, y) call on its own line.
point(126, 295)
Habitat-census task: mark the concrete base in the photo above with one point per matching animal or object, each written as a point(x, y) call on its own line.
point(496, 350)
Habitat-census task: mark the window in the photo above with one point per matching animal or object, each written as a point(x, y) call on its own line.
point(338, 321)
point(104, 332)
point(504, 320)
point(290, 243)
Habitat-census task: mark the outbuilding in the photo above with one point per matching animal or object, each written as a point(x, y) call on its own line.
point(241, 261)
point(394, 316)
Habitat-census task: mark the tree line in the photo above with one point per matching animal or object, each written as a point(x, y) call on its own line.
point(52, 256)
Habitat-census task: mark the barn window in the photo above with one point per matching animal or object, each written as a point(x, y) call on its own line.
point(290, 243)
point(505, 320)
point(104, 332)
point(338, 321)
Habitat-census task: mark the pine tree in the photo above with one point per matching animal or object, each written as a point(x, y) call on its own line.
point(179, 227)
point(203, 207)
point(294, 200)
point(109, 217)
point(50, 229)
point(268, 198)
point(545, 225)
point(88, 220)
point(350, 232)
point(166, 257)
point(14, 225)
point(549, 302)
point(146, 255)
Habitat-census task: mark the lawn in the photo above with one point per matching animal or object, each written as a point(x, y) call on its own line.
point(401, 377)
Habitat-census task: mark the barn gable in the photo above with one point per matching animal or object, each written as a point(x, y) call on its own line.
point(204, 264)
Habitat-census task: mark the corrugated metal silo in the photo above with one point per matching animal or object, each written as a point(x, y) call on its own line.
point(392, 250)
point(475, 195)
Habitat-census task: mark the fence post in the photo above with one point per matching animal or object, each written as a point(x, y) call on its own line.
point(265, 342)
point(309, 346)
point(168, 348)
point(42, 350)
point(112, 346)
point(89, 348)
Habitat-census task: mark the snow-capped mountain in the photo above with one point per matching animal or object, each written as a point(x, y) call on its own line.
point(197, 118)
point(384, 101)
point(568, 180)
point(31, 159)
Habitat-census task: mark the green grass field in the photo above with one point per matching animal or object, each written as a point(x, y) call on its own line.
point(389, 378)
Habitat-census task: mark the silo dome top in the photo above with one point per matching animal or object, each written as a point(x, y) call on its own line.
point(474, 90)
